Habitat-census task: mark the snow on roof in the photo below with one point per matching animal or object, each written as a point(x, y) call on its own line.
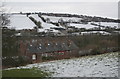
point(20, 22)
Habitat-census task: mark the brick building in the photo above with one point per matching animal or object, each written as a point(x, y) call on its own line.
point(47, 48)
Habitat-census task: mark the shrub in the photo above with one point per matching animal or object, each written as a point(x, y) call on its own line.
point(95, 51)
point(15, 61)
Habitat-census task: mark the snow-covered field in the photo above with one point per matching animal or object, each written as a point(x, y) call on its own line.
point(44, 25)
point(105, 65)
point(111, 24)
point(56, 19)
point(19, 21)
point(87, 26)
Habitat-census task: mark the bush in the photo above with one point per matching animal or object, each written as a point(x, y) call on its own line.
point(37, 23)
point(95, 51)
point(15, 61)
point(48, 58)
point(33, 72)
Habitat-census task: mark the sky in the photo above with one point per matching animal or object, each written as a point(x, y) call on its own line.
point(60, 0)
point(106, 9)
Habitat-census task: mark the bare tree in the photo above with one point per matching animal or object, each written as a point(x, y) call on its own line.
point(0, 39)
point(4, 18)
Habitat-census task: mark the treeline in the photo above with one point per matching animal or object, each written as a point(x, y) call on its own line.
point(37, 23)
point(97, 43)
point(9, 42)
point(10, 49)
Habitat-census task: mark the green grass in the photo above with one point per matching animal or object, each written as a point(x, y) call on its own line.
point(34, 72)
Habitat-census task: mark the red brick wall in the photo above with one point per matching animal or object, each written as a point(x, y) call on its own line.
point(22, 48)
point(58, 55)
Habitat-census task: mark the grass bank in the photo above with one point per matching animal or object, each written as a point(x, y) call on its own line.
point(33, 72)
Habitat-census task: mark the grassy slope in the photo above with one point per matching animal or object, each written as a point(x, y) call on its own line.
point(34, 72)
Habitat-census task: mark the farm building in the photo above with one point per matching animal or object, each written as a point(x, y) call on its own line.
point(42, 49)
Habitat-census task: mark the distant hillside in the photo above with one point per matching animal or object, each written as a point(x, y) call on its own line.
point(85, 17)
point(63, 24)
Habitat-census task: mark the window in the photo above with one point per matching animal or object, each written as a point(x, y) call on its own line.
point(46, 55)
point(39, 47)
point(34, 57)
point(48, 44)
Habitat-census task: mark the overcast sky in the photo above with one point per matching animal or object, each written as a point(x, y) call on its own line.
point(60, 0)
point(94, 9)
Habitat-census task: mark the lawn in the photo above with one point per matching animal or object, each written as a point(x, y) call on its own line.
point(33, 72)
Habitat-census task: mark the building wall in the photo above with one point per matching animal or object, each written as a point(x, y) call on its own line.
point(22, 48)
point(39, 56)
